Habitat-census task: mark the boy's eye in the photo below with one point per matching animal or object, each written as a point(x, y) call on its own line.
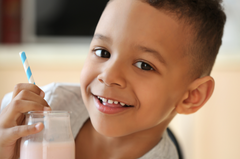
point(102, 53)
point(144, 66)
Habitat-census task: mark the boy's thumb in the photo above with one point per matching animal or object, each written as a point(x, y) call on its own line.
point(21, 131)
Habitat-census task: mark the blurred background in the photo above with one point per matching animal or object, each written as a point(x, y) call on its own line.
point(56, 35)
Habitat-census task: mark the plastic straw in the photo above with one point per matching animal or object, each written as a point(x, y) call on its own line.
point(26, 67)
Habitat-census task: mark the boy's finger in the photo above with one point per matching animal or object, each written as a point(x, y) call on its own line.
point(27, 86)
point(22, 106)
point(30, 96)
point(14, 133)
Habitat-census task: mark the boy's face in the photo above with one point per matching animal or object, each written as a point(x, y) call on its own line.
point(136, 57)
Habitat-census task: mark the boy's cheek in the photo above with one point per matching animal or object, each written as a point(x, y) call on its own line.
point(87, 77)
point(86, 70)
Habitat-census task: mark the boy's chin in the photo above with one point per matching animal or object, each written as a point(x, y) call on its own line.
point(110, 132)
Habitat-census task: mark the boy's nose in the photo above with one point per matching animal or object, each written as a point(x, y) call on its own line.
point(112, 76)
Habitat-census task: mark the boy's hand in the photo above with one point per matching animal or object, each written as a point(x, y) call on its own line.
point(26, 97)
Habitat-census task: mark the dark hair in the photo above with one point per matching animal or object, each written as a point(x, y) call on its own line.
point(206, 19)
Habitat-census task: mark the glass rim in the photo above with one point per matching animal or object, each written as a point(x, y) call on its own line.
point(49, 112)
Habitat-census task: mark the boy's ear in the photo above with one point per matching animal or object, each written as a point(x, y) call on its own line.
point(197, 95)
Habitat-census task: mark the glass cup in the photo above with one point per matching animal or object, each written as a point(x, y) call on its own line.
point(55, 141)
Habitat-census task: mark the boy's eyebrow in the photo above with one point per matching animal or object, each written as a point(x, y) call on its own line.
point(154, 52)
point(102, 37)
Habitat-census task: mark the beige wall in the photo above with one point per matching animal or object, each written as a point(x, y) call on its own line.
point(49, 63)
point(211, 133)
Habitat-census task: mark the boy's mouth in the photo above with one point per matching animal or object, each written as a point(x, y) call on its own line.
point(106, 101)
point(110, 106)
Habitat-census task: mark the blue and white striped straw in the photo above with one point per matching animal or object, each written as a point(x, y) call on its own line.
point(26, 67)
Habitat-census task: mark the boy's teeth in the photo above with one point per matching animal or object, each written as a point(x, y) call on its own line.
point(104, 100)
point(110, 101)
point(122, 104)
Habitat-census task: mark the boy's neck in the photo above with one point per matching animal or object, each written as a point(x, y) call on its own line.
point(91, 144)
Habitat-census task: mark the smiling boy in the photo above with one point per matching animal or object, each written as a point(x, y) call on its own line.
point(141, 55)
point(148, 61)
